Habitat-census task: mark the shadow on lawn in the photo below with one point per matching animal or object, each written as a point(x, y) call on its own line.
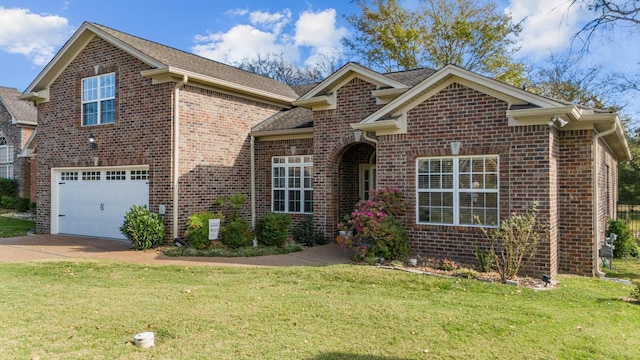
point(347, 356)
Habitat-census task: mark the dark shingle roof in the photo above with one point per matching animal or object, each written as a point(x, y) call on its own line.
point(410, 77)
point(200, 65)
point(296, 118)
point(23, 111)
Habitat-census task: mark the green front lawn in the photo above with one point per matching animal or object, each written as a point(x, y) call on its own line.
point(81, 310)
point(10, 227)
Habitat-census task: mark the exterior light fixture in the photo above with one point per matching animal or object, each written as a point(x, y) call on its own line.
point(357, 135)
point(92, 141)
point(557, 120)
point(455, 147)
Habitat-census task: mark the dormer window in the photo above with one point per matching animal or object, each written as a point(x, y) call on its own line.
point(98, 99)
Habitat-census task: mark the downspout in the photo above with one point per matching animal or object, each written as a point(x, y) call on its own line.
point(596, 166)
point(176, 151)
point(253, 181)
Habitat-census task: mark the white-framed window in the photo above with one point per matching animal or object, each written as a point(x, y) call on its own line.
point(98, 99)
point(139, 175)
point(6, 159)
point(91, 175)
point(292, 184)
point(458, 190)
point(69, 176)
point(116, 175)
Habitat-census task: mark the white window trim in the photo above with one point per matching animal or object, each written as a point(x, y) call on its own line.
point(456, 190)
point(302, 189)
point(98, 100)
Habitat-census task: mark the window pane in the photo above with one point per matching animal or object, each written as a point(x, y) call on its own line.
point(294, 201)
point(89, 89)
point(294, 177)
point(278, 200)
point(308, 201)
point(107, 111)
point(107, 86)
point(90, 113)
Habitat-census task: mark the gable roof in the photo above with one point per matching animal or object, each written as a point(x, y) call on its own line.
point(168, 64)
point(22, 112)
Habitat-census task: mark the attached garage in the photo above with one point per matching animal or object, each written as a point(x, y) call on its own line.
point(93, 201)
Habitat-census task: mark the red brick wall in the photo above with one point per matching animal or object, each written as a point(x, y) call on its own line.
point(214, 148)
point(332, 138)
point(575, 214)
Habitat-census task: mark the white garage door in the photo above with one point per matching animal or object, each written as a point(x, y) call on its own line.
point(93, 202)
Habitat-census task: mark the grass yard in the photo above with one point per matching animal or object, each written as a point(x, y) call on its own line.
point(10, 227)
point(81, 310)
point(628, 269)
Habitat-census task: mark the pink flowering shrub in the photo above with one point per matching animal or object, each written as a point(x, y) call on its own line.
point(375, 228)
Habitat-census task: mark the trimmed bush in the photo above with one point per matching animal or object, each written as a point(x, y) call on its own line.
point(625, 244)
point(143, 228)
point(272, 229)
point(198, 228)
point(8, 202)
point(236, 233)
point(305, 233)
point(8, 187)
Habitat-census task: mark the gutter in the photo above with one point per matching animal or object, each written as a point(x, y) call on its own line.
point(253, 181)
point(176, 151)
point(596, 230)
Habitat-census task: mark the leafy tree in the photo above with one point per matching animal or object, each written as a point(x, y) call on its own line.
point(629, 174)
point(474, 36)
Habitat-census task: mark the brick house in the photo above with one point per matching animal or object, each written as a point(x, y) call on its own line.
point(457, 144)
point(17, 123)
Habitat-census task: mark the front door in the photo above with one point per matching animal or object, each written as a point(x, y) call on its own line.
point(368, 180)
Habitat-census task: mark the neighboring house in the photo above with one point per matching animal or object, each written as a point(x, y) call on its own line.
point(457, 144)
point(18, 119)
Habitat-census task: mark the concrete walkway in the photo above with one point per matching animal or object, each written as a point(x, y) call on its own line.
point(67, 247)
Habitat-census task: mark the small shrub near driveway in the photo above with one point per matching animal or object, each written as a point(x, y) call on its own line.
point(625, 243)
point(143, 228)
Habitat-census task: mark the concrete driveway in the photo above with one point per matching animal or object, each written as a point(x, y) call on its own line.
point(68, 247)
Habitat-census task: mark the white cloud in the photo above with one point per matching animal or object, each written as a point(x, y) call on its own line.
point(240, 42)
point(318, 31)
point(314, 34)
point(33, 35)
point(548, 25)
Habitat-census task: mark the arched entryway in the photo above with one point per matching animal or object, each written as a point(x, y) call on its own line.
point(356, 176)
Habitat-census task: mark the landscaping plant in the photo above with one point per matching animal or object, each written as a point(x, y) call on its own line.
point(515, 241)
point(198, 228)
point(376, 232)
point(143, 228)
point(273, 229)
point(305, 233)
point(236, 232)
point(625, 244)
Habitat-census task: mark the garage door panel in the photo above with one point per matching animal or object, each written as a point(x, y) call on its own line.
point(97, 207)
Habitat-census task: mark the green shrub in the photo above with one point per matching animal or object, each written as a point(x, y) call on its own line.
point(198, 228)
point(272, 229)
point(143, 228)
point(389, 239)
point(8, 202)
point(23, 204)
point(236, 233)
point(305, 233)
point(625, 244)
point(8, 187)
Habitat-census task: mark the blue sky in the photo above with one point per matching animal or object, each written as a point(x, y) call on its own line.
point(31, 31)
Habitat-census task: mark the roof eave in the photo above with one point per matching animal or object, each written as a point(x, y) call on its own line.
point(283, 134)
point(171, 74)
